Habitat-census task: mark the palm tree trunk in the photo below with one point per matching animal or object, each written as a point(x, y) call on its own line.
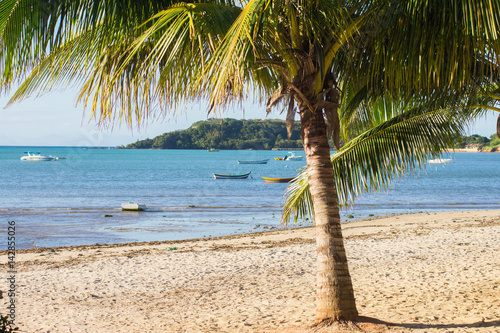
point(335, 295)
point(498, 126)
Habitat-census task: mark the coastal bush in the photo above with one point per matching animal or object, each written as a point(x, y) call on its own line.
point(5, 324)
point(493, 145)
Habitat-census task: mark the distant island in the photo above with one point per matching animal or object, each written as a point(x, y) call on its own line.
point(226, 133)
point(260, 134)
point(480, 143)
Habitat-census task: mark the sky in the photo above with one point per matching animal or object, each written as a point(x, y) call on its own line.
point(54, 119)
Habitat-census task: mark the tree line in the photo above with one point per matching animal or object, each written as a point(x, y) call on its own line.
point(259, 134)
point(226, 134)
point(480, 142)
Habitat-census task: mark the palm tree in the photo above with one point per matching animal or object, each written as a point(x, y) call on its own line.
point(389, 140)
point(133, 59)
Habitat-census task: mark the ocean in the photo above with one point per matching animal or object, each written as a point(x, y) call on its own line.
point(64, 202)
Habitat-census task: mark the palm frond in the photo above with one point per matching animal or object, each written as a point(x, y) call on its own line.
point(31, 29)
point(65, 65)
point(391, 149)
point(298, 200)
point(161, 69)
point(233, 64)
point(277, 97)
point(415, 47)
point(131, 73)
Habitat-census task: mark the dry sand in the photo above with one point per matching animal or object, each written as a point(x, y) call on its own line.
point(436, 272)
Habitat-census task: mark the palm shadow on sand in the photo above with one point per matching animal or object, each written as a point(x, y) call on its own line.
point(365, 322)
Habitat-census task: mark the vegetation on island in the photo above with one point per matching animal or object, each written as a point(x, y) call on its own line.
point(481, 143)
point(226, 134)
point(492, 145)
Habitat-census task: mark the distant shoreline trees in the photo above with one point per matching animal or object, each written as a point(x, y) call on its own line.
point(226, 133)
point(235, 134)
point(481, 143)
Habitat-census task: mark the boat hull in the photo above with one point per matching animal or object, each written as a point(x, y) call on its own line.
point(131, 206)
point(241, 176)
point(440, 160)
point(277, 180)
point(36, 157)
point(254, 162)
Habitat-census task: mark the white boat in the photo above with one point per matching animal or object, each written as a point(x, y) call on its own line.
point(36, 156)
point(133, 206)
point(440, 160)
point(293, 157)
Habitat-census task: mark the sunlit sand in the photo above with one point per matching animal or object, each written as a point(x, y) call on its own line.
point(427, 272)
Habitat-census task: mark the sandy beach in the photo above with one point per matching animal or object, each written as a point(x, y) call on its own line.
point(427, 272)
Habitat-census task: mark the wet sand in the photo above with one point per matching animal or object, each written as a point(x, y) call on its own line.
point(427, 272)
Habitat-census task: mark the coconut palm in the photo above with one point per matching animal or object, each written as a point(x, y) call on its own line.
point(391, 140)
point(135, 59)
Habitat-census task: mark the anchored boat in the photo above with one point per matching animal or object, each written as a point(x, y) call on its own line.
point(290, 157)
point(240, 176)
point(133, 206)
point(36, 156)
point(277, 180)
point(440, 160)
point(253, 161)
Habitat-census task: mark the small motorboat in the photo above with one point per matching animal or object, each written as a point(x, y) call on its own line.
point(293, 157)
point(240, 176)
point(290, 157)
point(440, 160)
point(253, 162)
point(277, 180)
point(36, 156)
point(212, 150)
point(133, 206)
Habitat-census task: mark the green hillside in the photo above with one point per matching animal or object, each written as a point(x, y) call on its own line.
point(481, 143)
point(226, 134)
point(258, 134)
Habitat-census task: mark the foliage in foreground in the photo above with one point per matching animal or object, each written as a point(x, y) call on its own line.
point(5, 324)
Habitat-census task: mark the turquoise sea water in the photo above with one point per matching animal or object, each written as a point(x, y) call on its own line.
point(62, 202)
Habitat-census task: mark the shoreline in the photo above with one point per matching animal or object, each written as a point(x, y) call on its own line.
point(469, 150)
point(345, 225)
point(168, 242)
point(422, 272)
